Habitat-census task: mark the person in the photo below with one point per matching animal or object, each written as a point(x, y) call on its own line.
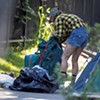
point(70, 29)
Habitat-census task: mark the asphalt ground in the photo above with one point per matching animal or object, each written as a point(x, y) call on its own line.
point(6, 94)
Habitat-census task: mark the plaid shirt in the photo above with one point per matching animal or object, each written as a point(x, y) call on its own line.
point(65, 23)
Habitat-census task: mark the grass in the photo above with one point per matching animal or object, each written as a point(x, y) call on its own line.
point(13, 61)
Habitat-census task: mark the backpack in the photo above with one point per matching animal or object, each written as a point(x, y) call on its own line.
point(47, 55)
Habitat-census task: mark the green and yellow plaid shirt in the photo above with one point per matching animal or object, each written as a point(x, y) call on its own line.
point(65, 23)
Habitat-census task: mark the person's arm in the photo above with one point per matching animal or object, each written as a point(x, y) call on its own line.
point(59, 27)
point(60, 31)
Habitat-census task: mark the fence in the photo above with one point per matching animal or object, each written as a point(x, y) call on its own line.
point(86, 9)
point(7, 9)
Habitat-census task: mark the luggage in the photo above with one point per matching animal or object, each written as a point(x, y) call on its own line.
point(30, 60)
point(48, 54)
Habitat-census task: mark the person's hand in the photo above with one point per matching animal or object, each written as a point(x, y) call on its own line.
point(62, 39)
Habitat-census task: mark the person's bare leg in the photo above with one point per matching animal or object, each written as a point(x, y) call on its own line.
point(75, 58)
point(69, 49)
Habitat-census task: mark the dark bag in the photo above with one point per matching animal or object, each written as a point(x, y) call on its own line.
point(34, 79)
point(48, 54)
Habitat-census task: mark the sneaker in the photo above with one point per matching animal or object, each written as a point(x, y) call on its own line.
point(72, 83)
point(64, 77)
point(73, 80)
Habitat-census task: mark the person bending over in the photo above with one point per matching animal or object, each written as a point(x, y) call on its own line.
point(70, 29)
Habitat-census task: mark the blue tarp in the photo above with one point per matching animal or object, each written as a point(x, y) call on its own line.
point(89, 79)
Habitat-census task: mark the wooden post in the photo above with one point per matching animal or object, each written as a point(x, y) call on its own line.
point(93, 11)
point(84, 9)
point(8, 25)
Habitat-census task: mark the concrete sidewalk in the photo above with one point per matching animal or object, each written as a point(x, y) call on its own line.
point(6, 94)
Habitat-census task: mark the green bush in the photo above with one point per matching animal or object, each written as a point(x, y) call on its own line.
point(94, 37)
point(44, 28)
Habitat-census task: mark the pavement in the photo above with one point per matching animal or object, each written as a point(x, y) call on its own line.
point(6, 94)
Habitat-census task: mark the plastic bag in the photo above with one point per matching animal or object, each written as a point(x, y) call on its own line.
point(35, 79)
point(6, 80)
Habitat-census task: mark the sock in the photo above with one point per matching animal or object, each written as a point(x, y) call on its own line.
point(63, 77)
point(74, 76)
point(64, 73)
